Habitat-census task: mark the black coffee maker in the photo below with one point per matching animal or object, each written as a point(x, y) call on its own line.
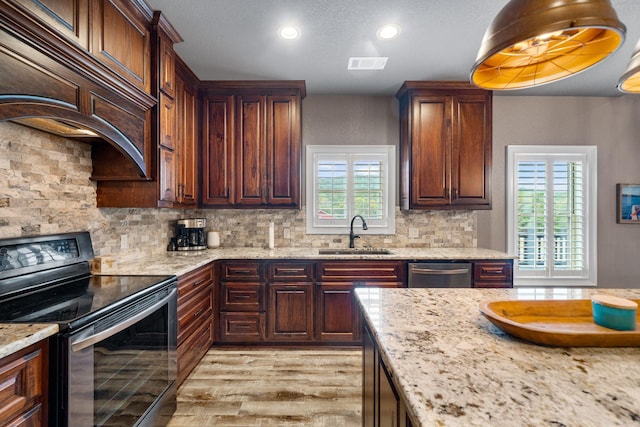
point(190, 235)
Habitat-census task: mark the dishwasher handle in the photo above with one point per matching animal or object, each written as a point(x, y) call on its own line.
point(431, 271)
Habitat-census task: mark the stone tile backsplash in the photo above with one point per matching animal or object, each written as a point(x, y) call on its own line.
point(45, 188)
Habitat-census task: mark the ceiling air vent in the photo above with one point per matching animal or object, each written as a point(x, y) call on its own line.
point(367, 62)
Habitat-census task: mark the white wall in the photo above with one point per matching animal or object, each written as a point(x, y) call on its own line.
point(613, 125)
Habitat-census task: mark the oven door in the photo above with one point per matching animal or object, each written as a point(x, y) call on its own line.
point(121, 369)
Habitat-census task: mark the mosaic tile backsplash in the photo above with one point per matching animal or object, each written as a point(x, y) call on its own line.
point(45, 188)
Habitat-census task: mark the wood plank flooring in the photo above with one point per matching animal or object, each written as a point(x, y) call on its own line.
point(272, 387)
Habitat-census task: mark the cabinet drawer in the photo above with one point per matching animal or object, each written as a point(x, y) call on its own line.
point(21, 385)
point(194, 347)
point(242, 296)
point(194, 281)
point(241, 270)
point(492, 271)
point(290, 272)
point(356, 271)
point(241, 327)
point(193, 312)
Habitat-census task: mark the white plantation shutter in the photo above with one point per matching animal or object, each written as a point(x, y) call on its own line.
point(343, 181)
point(551, 213)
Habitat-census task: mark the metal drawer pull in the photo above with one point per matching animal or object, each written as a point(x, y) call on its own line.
point(434, 271)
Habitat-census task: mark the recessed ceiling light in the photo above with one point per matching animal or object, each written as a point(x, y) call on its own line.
point(289, 33)
point(388, 31)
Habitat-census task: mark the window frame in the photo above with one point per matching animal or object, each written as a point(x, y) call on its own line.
point(587, 153)
point(387, 154)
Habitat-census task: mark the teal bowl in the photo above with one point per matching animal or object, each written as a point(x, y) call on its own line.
point(614, 313)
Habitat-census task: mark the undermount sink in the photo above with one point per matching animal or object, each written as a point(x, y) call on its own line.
point(352, 251)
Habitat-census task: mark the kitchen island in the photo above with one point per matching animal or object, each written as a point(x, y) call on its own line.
point(448, 365)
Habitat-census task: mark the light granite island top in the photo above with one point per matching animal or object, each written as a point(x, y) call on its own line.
point(452, 367)
point(16, 336)
point(179, 262)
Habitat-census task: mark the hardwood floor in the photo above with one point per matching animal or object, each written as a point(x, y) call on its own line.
point(272, 387)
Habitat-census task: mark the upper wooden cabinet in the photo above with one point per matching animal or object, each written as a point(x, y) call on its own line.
point(251, 148)
point(445, 146)
point(121, 39)
point(174, 130)
point(52, 80)
point(186, 102)
point(69, 17)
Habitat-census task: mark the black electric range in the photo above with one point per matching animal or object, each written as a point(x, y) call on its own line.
point(117, 333)
point(47, 279)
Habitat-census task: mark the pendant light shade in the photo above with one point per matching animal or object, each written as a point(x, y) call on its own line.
point(630, 80)
point(530, 43)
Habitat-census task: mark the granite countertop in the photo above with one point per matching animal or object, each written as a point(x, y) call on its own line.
point(452, 367)
point(15, 337)
point(179, 263)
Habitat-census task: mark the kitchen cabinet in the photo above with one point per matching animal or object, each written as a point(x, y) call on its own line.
point(121, 39)
point(58, 62)
point(68, 17)
point(251, 144)
point(186, 101)
point(290, 301)
point(381, 404)
point(445, 145)
point(166, 187)
point(195, 318)
point(337, 319)
point(242, 301)
point(23, 376)
point(493, 274)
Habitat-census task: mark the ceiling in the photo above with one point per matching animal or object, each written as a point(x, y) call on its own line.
point(439, 40)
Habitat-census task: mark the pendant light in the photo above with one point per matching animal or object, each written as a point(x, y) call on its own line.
point(630, 80)
point(533, 42)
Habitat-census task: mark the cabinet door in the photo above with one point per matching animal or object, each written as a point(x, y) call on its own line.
point(23, 386)
point(337, 316)
point(283, 151)
point(471, 151)
point(430, 153)
point(290, 314)
point(250, 151)
point(187, 125)
point(369, 381)
point(217, 151)
point(167, 115)
point(167, 179)
point(120, 39)
point(69, 17)
point(166, 72)
point(388, 401)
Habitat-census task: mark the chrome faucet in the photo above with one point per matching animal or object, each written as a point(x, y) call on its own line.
point(352, 236)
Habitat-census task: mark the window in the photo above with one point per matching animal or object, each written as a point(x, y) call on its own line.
point(348, 180)
point(551, 214)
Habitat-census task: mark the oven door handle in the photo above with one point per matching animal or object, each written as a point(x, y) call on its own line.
point(83, 343)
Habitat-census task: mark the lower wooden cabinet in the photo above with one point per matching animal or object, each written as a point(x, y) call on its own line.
point(290, 314)
point(382, 406)
point(195, 318)
point(493, 274)
point(337, 318)
point(312, 301)
point(23, 387)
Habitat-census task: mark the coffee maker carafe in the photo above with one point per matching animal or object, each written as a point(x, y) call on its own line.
point(191, 234)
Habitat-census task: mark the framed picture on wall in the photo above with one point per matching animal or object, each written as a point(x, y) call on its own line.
point(628, 203)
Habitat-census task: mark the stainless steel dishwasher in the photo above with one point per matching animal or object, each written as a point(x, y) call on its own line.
point(439, 275)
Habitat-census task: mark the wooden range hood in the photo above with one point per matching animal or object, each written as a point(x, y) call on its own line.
point(53, 82)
